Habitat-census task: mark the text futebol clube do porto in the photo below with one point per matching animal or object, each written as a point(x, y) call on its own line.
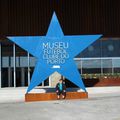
point(55, 52)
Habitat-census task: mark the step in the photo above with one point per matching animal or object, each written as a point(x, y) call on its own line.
point(30, 97)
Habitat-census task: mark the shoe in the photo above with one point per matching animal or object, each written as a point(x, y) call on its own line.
point(63, 97)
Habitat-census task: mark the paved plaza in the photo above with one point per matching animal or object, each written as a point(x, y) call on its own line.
point(99, 106)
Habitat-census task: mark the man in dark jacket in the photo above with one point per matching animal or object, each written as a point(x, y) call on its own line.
point(61, 89)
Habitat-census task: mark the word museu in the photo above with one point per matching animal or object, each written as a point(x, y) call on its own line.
point(50, 45)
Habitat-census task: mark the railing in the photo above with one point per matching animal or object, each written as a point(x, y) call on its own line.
point(101, 66)
point(97, 76)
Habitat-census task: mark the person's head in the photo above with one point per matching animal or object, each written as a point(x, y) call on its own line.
point(60, 81)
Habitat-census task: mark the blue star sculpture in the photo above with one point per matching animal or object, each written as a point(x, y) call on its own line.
point(55, 52)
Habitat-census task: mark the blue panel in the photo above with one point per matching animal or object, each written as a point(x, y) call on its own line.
point(55, 52)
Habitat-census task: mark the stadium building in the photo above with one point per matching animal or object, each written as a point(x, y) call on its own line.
point(99, 64)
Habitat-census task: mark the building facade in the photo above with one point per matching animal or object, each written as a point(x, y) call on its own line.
point(32, 17)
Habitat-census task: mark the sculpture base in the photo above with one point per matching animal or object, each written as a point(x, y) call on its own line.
point(30, 97)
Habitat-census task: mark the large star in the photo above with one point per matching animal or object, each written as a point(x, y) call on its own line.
point(55, 52)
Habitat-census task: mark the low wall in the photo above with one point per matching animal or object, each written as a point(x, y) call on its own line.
point(110, 81)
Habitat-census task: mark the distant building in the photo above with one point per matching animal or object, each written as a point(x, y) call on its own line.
point(99, 64)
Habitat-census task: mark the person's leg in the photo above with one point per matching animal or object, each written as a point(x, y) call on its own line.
point(63, 95)
point(58, 95)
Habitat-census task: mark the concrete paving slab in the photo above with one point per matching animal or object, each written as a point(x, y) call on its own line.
point(18, 94)
point(103, 104)
point(106, 108)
